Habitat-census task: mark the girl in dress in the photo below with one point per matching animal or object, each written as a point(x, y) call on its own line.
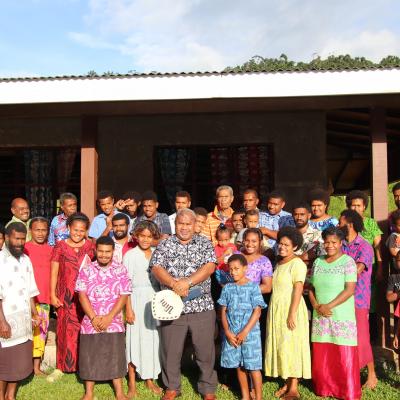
point(259, 268)
point(142, 336)
point(335, 365)
point(287, 345)
point(241, 303)
point(67, 258)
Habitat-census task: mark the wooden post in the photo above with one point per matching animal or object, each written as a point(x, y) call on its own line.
point(89, 166)
point(380, 208)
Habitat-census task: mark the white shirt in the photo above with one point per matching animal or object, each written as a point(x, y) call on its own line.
point(172, 219)
point(17, 286)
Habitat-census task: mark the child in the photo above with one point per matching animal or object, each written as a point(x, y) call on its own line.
point(241, 303)
point(238, 225)
point(101, 224)
point(142, 336)
point(2, 236)
point(393, 241)
point(201, 218)
point(251, 220)
point(103, 287)
point(40, 252)
point(223, 250)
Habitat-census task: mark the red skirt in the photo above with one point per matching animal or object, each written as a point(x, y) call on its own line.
point(364, 343)
point(335, 371)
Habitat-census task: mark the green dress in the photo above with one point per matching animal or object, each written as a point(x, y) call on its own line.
point(329, 280)
point(287, 351)
point(370, 232)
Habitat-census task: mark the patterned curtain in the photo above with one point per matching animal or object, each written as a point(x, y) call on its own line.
point(65, 164)
point(39, 167)
point(174, 164)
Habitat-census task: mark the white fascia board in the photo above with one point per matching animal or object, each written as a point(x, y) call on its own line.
point(181, 87)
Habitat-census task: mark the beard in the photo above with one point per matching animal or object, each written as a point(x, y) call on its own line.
point(16, 251)
point(120, 235)
point(300, 225)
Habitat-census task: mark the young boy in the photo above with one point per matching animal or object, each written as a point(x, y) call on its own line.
point(40, 252)
point(103, 287)
point(150, 206)
point(101, 224)
point(129, 204)
point(251, 220)
point(238, 225)
point(201, 218)
point(275, 218)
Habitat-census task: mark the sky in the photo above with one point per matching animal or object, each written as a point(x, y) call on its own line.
point(70, 37)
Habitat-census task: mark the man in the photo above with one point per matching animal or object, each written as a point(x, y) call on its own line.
point(21, 213)
point(182, 200)
point(250, 200)
point(129, 204)
point(363, 254)
point(101, 224)
point(222, 213)
point(150, 206)
point(17, 310)
point(181, 262)
point(58, 228)
point(275, 217)
point(312, 246)
point(103, 286)
point(120, 227)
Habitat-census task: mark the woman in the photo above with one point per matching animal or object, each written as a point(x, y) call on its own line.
point(358, 201)
point(319, 202)
point(67, 258)
point(335, 366)
point(287, 347)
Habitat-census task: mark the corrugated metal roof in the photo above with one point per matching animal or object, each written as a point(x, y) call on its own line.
point(108, 75)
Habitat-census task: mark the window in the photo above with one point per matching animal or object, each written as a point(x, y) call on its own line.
point(201, 169)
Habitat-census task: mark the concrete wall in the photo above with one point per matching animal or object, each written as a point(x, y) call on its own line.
point(125, 145)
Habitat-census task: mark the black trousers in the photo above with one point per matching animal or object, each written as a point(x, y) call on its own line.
point(173, 334)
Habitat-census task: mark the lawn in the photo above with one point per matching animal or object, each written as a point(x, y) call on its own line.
point(69, 387)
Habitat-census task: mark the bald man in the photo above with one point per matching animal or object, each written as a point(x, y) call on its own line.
point(21, 213)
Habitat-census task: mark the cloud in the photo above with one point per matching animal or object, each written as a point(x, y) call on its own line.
point(374, 44)
point(183, 35)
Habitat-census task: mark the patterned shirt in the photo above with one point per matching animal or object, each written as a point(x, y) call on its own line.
point(58, 229)
point(182, 260)
point(274, 222)
point(17, 287)
point(214, 220)
point(103, 286)
point(312, 238)
point(322, 225)
point(160, 219)
point(371, 230)
point(361, 252)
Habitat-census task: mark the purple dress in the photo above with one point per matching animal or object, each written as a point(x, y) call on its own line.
point(258, 269)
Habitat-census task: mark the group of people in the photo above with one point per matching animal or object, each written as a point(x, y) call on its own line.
point(249, 280)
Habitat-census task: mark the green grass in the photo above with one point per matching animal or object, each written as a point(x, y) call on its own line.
point(69, 387)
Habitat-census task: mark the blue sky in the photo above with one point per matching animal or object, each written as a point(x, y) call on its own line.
point(64, 37)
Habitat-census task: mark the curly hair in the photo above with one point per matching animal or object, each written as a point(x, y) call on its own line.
point(150, 226)
point(292, 234)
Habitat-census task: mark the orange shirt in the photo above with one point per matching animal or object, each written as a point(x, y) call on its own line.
point(214, 221)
